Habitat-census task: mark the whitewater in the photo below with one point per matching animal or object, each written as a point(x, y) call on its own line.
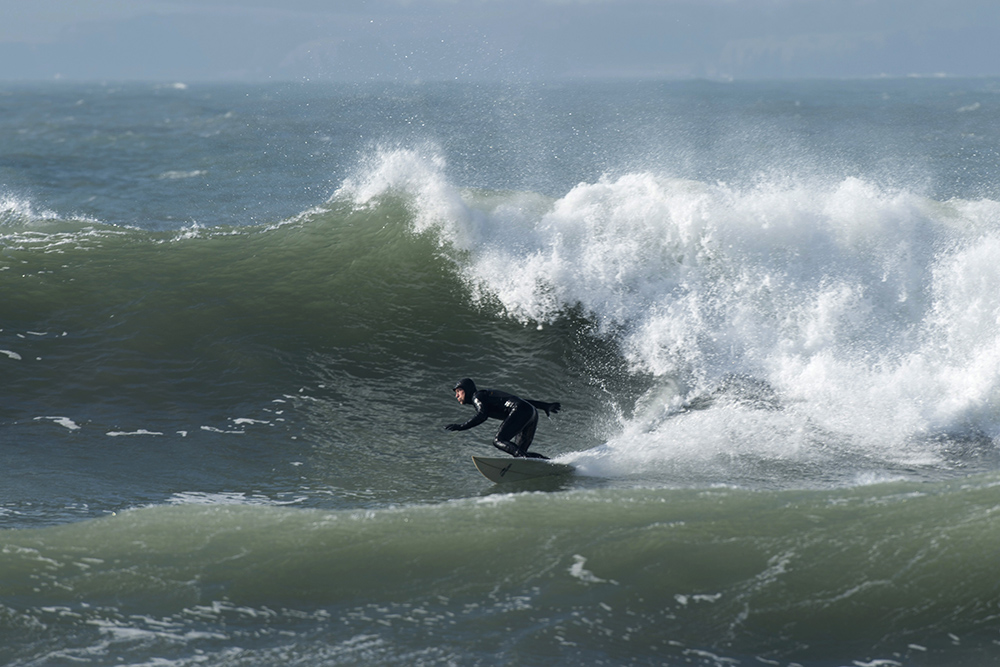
point(231, 317)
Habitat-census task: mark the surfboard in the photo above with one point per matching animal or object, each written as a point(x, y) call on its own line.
point(508, 469)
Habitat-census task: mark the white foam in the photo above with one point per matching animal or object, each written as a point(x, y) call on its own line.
point(65, 422)
point(578, 571)
point(212, 429)
point(230, 498)
point(176, 174)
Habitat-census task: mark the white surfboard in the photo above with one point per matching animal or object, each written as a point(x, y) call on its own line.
point(509, 469)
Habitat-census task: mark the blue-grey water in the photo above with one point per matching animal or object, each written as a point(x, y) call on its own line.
point(231, 315)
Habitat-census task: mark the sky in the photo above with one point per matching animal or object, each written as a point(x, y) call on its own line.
point(477, 40)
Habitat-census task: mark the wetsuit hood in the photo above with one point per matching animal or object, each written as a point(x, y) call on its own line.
point(468, 385)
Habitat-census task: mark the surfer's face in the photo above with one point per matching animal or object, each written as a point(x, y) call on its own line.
point(460, 395)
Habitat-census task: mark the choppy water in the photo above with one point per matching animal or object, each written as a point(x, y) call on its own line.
point(230, 318)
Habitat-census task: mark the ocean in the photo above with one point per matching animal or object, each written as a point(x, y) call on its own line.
point(232, 315)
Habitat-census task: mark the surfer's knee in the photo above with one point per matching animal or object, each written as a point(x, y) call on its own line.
point(508, 447)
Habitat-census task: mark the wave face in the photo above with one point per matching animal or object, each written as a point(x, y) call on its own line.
point(770, 313)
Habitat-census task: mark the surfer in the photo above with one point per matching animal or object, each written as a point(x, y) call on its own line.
point(519, 416)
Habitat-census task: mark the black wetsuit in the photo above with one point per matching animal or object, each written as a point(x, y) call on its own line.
point(519, 416)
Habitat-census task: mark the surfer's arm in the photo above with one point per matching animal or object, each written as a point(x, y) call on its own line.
point(546, 407)
point(481, 416)
point(475, 421)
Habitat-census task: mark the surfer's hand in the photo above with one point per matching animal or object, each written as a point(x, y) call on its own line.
point(453, 427)
point(553, 408)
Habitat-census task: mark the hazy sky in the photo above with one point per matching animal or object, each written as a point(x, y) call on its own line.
point(425, 40)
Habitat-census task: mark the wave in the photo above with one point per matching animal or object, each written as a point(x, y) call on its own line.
point(868, 314)
point(811, 324)
point(879, 572)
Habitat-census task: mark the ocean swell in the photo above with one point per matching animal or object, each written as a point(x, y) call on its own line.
point(892, 572)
